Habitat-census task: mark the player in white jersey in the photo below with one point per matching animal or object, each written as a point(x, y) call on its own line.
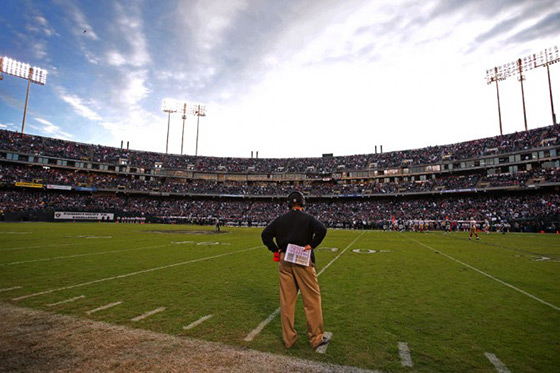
point(472, 229)
point(486, 226)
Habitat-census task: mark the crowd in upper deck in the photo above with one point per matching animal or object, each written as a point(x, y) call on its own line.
point(11, 173)
point(37, 145)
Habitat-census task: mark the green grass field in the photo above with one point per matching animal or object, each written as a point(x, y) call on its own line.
point(450, 300)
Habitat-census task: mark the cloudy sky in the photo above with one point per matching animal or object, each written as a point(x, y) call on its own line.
point(284, 78)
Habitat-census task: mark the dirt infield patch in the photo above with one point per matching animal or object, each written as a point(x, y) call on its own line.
point(187, 232)
point(41, 341)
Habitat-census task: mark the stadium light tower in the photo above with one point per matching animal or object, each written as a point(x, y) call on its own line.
point(169, 106)
point(495, 75)
point(522, 67)
point(23, 70)
point(184, 118)
point(546, 58)
point(199, 111)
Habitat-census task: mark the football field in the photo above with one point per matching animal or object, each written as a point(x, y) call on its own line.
point(392, 301)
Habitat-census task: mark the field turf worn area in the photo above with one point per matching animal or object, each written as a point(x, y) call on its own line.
point(393, 301)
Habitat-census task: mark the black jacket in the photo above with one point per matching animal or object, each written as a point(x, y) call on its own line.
point(295, 227)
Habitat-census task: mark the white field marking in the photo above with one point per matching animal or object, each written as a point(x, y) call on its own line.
point(89, 237)
point(500, 367)
point(132, 274)
point(338, 256)
point(364, 251)
point(261, 326)
point(81, 255)
point(322, 349)
point(103, 307)
point(66, 301)
point(489, 276)
point(197, 322)
point(404, 354)
point(148, 314)
point(8, 289)
point(59, 244)
point(276, 312)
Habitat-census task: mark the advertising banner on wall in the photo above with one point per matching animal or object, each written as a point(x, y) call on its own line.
point(28, 185)
point(68, 215)
point(86, 189)
point(59, 187)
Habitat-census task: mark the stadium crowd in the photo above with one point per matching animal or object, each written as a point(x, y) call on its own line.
point(37, 145)
point(12, 173)
point(339, 203)
point(349, 212)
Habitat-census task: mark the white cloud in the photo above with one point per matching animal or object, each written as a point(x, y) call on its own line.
point(40, 50)
point(80, 21)
point(209, 20)
point(52, 130)
point(130, 26)
point(80, 107)
point(114, 58)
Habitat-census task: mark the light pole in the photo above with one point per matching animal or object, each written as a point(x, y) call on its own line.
point(169, 106)
point(521, 79)
point(199, 111)
point(546, 58)
point(184, 118)
point(23, 70)
point(495, 75)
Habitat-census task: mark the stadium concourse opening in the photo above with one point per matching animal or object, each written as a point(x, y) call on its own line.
point(508, 182)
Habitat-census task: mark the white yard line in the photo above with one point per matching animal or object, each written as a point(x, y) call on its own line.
point(488, 275)
point(338, 256)
point(103, 307)
point(77, 243)
point(148, 314)
point(404, 353)
point(322, 349)
point(197, 322)
point(66, 301)
point(261, 326)
point(500, 367)
point(131, 274)
point(8, 289)
point(82, 255)
point(276, 312)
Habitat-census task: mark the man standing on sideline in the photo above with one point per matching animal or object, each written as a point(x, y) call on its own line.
point(302, 229)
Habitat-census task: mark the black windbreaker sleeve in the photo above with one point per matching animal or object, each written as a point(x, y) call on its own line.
point(319, 232)
point(268, 235)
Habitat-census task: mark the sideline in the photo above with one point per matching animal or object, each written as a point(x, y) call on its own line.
point(131, 274)
point(276, 312)
point(124, 348)
point(487, 275)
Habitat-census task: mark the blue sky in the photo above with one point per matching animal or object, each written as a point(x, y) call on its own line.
point(284, 78)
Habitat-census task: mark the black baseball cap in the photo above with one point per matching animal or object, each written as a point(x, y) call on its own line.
point(296, 197)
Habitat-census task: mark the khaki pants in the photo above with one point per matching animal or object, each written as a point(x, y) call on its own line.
point(295, 277)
